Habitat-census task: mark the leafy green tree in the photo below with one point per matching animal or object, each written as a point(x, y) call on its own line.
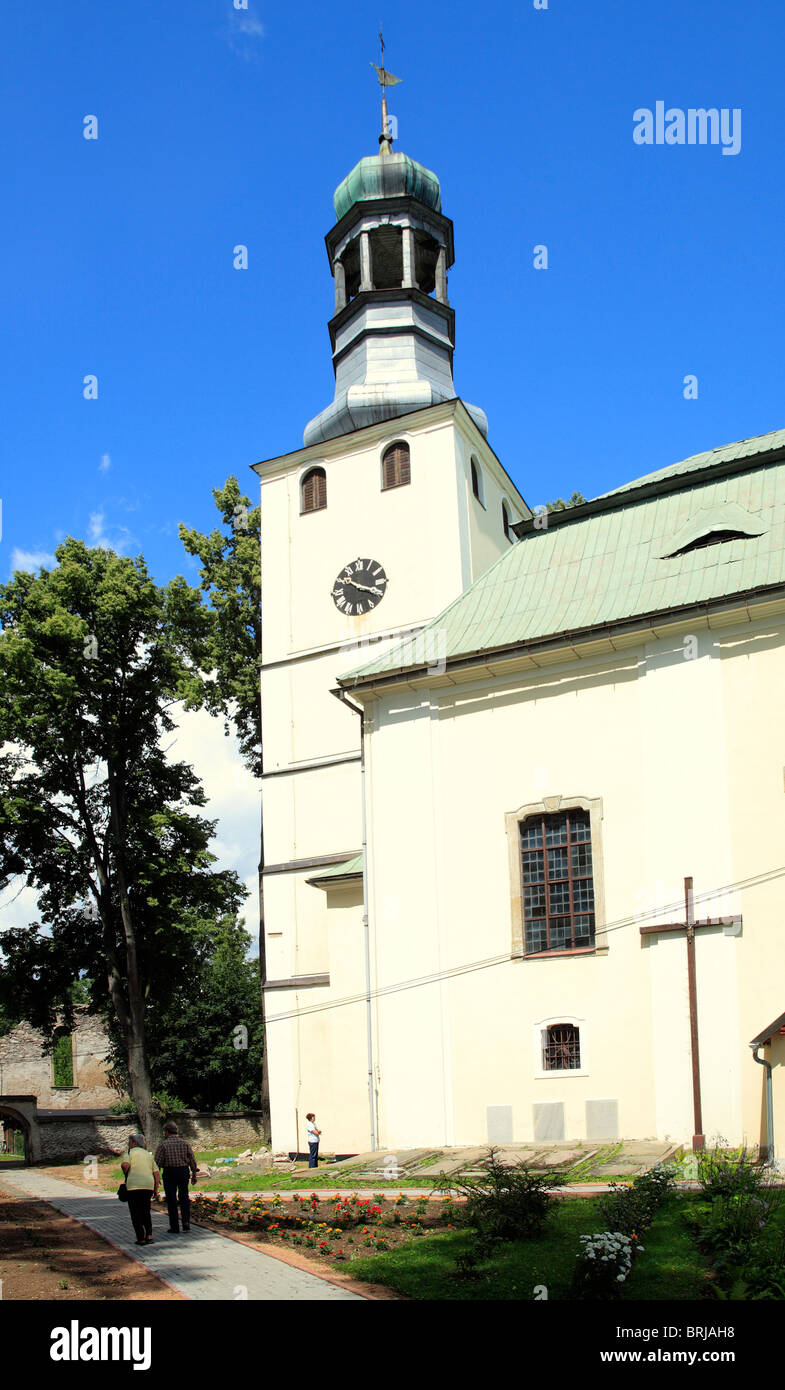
point(204, 1028)
point(92, 657)
point(231, 657)
point(231, 654)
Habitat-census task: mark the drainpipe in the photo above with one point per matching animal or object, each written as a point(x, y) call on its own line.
point(342, 696)
point(769, 1102)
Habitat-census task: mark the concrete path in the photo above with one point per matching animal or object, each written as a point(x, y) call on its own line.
point(200, 1264)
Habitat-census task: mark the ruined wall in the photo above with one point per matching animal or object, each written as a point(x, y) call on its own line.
point(25, 1068)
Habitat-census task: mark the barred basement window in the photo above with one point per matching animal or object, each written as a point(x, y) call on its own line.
point(313, 491)
point(396, 466)
point(558, 887)
point(561, 1047)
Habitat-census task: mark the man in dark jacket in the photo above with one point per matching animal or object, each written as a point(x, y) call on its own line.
point(175, 1158)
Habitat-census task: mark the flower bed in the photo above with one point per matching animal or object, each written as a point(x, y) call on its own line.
point(335, 1228)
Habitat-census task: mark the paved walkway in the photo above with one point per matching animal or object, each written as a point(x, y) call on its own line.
point(200, 1264)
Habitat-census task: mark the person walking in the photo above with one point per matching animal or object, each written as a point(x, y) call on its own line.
point(313, 1140)
point(141, 1182)
point(175, 1157)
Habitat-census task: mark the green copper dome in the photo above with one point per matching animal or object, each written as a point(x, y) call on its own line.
point(387, 176)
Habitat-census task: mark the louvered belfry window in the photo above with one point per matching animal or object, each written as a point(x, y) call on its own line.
point(561, 1048)
point(313, 490)
point(396, 466)
point(558, 886)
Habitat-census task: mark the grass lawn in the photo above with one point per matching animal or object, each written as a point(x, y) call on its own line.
point(669, 1269)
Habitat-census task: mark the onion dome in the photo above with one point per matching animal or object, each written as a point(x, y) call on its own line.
point(387, 175)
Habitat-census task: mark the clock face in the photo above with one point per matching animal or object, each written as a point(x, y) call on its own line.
point(359, 587)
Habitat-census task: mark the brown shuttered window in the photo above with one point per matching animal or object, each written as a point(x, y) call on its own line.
point(396, 466)
point(313, 490)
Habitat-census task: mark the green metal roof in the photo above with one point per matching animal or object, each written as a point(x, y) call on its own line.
point(612, 565)
point(387, 176)
point(351, 868)
point(727, 453)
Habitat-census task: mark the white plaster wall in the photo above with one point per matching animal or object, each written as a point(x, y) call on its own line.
point(656, 737)
point(420, 534)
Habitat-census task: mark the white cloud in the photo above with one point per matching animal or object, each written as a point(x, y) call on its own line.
point(232, 801)
point(31, 560)
point(244, 33)
point(96, 528)
point(119, 540)
point(105, 464)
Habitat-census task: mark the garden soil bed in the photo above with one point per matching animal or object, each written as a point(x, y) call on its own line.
point(41, 1249)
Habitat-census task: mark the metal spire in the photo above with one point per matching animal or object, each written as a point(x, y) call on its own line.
point(386, 79)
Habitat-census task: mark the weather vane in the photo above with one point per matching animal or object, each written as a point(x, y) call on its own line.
point(386, 80)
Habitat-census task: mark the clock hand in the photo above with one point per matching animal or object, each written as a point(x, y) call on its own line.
point(366, 589)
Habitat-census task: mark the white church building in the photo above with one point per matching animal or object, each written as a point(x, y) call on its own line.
point(496, 744)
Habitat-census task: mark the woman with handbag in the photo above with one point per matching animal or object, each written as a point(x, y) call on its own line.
point(141, 1183)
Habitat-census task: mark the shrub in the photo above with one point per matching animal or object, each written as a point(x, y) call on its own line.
point(167, 1104)
point(124, 1106)
point(507, 1202)
point(604, 1264)
point(632, 1209)
point(726, 1172)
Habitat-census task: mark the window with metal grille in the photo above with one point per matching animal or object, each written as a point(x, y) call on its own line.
point(313, 491)
point(558, 887)
point(396, 466)
point(561, 1047)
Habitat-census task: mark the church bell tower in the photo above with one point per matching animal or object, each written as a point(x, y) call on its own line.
point(393, 331)
point(392, 507)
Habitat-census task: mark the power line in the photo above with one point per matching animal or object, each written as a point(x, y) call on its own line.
point(491, 961)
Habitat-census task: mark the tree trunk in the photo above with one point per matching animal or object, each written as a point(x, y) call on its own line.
point(133, 1020)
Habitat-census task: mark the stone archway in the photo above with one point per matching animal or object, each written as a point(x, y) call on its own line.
point(18, 1113)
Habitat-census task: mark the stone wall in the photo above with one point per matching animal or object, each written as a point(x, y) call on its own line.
point(26, 1068)
point(66, 1136)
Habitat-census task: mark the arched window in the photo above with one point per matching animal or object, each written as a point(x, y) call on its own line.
point(477, 488)
point(313, 490)
point(506, 523)
point(396, 468)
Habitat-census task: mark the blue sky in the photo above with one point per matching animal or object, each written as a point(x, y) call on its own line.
point(219, 126)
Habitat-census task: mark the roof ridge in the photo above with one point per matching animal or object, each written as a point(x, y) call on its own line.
point(701, 459)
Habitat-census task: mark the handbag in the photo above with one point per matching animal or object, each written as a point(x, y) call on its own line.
point(122, 1192)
